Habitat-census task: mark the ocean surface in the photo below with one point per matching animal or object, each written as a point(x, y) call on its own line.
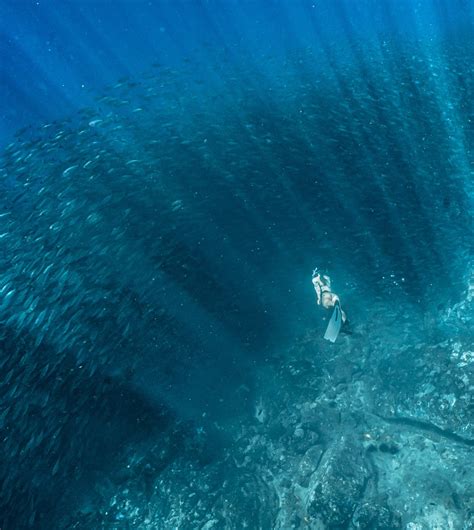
point(171, 174)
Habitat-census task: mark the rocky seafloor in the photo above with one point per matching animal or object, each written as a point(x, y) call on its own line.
point(375, 432)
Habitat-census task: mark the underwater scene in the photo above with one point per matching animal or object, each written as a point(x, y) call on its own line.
point(236, 264)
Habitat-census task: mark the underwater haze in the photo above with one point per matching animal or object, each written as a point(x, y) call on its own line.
point(172, 173)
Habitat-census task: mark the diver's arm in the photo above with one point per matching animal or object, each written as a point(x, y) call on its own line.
point(317, 288)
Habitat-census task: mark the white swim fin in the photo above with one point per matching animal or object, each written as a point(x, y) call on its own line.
point(334, 326)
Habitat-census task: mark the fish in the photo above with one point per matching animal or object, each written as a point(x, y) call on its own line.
point(69, 170)
point(118, 228)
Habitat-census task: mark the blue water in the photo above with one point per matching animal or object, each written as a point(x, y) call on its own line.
point(171, 174)
point(57, 55)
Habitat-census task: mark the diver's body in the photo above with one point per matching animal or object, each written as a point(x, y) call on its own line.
point(324, 296)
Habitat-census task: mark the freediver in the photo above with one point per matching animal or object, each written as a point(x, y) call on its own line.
point(326, 298)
